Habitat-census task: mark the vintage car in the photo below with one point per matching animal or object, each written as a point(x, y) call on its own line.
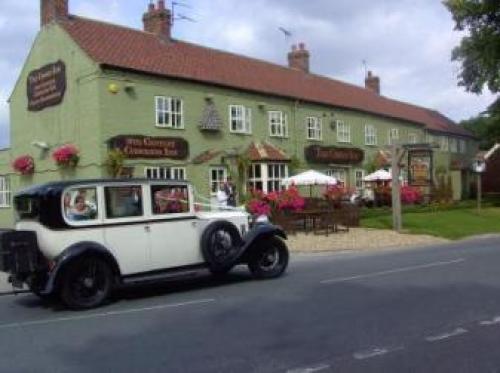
point(78, 240)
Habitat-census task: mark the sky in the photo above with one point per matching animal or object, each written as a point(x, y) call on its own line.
point(407, 43)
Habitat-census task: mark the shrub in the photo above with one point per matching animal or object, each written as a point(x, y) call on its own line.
point(268, 204)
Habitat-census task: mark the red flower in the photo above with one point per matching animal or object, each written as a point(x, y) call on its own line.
point(66, 155)
point(24, 164)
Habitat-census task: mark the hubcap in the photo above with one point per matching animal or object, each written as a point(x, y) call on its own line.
point(270, 259)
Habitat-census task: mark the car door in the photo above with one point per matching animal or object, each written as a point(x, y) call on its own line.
point(173, 227)
point(126, 234)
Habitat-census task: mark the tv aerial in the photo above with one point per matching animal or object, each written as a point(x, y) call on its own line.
point(179, 16)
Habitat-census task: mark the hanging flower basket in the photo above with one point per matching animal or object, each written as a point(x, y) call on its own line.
point(25, 165)
point(66, 156)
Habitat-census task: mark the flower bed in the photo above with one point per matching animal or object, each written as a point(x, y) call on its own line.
point(269, 204)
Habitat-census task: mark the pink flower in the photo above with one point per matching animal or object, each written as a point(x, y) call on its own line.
point(24, 164)
point(66, 155)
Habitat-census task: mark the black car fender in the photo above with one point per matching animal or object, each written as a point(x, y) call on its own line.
point(74, 252)
point(257, 233)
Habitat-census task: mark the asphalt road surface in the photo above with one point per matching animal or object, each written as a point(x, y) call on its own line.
point(428, 310)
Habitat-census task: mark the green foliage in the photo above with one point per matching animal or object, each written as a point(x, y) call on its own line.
point(114, 163)
point(479, 55)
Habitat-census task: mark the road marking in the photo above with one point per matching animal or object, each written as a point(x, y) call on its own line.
point(315, 369)
point(392, 271)
point(104, 314)
point(494, 321)
point(362, 355)
point(440, 337)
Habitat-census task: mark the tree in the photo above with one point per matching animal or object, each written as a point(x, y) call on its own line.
point(479, 55)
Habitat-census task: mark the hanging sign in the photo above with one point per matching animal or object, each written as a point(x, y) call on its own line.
point(46, 86)
point(420, 167)
point(333, 154)
point(137, 146)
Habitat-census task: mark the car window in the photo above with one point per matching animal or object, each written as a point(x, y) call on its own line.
point(169, 199)
point(123, 201)
point(80, 204)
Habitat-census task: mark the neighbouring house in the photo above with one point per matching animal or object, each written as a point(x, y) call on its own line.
point(96, 100)
point(491, 177)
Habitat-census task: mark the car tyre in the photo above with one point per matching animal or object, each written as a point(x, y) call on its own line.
point(221, 246)
point(86, 283)
point(269, 258)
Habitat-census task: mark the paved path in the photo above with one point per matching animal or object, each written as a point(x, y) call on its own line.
point(428, 310)
point(5, 287)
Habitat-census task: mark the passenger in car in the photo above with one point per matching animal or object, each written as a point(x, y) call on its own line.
point(80, 210)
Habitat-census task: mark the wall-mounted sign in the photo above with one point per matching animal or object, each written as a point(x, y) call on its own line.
point(46, 86)
point(137, 146)
point(333, 154)
point(420, 167)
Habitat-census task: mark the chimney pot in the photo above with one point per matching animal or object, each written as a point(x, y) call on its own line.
point(372, 82)
point(53, 11)
point(158, 20)
point(298, 58)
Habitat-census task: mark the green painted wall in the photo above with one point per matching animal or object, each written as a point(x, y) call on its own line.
point(91, 114)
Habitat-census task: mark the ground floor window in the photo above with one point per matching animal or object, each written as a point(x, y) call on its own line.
point(165, 173)
point(5, 191)
point(266, 177)
point(339, 173)
point(359, 176)
point(217, 175)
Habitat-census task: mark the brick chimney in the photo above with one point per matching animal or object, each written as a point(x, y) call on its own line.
point(372, 82)
point(298, 58)
point(158, 20)
point(52, 11)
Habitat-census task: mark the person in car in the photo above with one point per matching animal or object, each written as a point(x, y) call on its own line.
point(80, 210)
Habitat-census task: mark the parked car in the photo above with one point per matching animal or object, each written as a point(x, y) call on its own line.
point(78, 240)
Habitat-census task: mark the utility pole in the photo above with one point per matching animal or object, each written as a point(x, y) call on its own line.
point(479, 192)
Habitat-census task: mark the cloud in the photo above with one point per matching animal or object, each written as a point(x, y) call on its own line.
point(407, 43)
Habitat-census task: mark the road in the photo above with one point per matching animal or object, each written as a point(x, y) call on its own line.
point(428, 310)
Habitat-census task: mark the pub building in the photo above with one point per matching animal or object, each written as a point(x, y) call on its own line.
point(97, 100)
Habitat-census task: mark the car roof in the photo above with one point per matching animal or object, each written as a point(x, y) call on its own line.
point(59, 186)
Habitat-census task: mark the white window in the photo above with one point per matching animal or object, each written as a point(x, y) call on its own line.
point(359, 175)
point(218, 175)
point(430, 138)
point(266, 177)
point(275, 173)
point(339, 174)
point(278, 124)
point(240, 119)
point(165, 173)
point(444, 145)
point(314, 127)
point(5, 192)
point(370, 135)
point(453, 145)
point(412, 138)
point(462, 146)
point(343, 131)
point(169, 112)
point(393, 136)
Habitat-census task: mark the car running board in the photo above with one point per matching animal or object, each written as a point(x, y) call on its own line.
point(177, 274)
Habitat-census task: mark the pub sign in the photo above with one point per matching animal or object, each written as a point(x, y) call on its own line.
point(333, 154)
point(46, 86)
point(420, 167)
point(138, 146)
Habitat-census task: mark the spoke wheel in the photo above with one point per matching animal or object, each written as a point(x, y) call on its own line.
point(221, 246)
point(86, 283)
point(269, 259)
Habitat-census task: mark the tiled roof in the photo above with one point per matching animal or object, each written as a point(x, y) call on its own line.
point(265, 152)
point(130, 49)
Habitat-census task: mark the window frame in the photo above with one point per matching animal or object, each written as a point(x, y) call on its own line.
point(370, 135)
point(412, 135)
point(5, 192)
point(245, 118)
point(168, 215)
point(314, 125)
point(356, 179)
point(344, 134)
point(212, 182)
point(265, 177)
point(281, 128)
point(444, 144)
point(392, 140)
point(334, 172)
point(168, 112)
point(99, 194)
point(165, 170)
point(146, 209)
point(453, 144)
